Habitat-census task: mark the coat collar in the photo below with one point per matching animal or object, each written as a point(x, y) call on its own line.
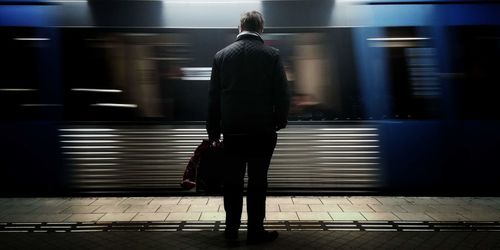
point(249, 35)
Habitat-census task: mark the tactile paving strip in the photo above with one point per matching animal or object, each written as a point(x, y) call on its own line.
point(384, 226)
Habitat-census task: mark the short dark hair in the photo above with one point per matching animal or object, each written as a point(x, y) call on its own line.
point(252, 21)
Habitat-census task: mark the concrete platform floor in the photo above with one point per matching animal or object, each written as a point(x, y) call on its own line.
point(309, 222)
point(282, 208)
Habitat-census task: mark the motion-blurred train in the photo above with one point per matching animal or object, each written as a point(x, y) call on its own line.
point(388, 96)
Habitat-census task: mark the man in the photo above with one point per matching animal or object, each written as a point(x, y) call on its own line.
point(248, 103)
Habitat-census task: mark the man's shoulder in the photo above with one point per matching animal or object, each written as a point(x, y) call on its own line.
point(231, 47)
point(239, 45)
point(272, 50)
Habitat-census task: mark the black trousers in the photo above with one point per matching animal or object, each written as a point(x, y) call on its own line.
point(254, 150)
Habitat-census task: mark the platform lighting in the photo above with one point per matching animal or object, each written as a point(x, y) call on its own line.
point(31, 39)
point(17, 90)
point(118, 105)
point(97, 90)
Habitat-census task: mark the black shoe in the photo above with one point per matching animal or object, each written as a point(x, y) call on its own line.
point(231, 235)
point(261, 237)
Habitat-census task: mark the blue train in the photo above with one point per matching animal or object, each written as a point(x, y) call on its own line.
point(388, 96)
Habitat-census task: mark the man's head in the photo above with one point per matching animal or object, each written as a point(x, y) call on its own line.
point(252, 21)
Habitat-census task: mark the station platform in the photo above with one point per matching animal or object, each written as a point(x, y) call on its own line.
point(317, 222)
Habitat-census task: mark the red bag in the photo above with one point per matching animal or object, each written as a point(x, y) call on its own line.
point(189, 177)
point(205, 168)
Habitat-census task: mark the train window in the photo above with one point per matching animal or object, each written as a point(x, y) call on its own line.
point(21, 74)
point(414, 90)
point(321, 73)
point(120, 76)
point(306, 60)
point(476, 53)
point(136, 75)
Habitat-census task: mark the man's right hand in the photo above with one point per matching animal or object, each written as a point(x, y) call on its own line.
point(214, 139)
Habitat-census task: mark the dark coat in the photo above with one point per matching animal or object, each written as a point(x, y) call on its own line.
point(248, 91)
